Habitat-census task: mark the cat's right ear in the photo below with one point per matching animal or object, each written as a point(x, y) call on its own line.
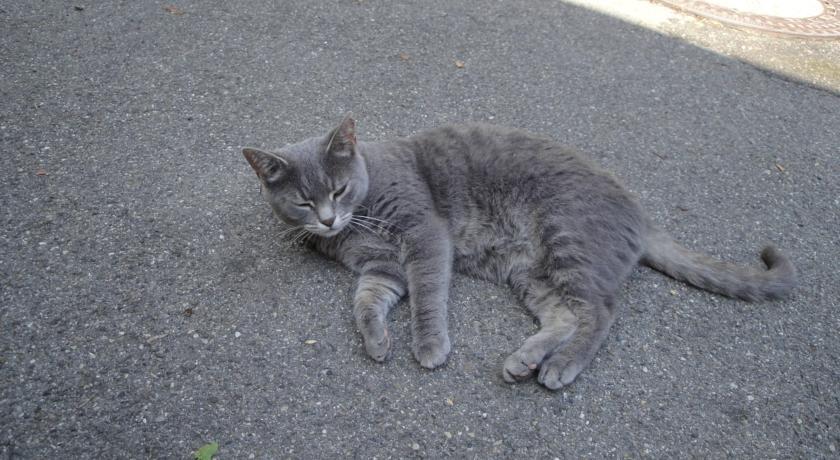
point(268, 166)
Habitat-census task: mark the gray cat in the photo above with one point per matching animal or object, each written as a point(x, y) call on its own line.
point(496, 203)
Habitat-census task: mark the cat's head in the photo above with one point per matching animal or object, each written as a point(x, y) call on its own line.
point(315, 184)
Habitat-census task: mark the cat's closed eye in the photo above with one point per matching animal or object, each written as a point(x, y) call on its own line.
point(337, 194)
point(307, 205)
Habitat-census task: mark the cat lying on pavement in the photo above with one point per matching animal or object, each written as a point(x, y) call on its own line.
point(496, 203)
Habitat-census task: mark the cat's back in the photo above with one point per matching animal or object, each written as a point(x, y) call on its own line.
point(481, 157)
point(483, 143)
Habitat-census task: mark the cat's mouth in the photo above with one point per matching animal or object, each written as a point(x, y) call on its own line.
point(328, 231)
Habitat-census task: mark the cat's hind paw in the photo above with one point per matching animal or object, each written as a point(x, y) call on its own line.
point(558, 371)
point(518, 367)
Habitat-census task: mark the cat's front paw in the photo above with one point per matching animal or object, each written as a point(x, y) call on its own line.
point(378, 344)
point(431, 352)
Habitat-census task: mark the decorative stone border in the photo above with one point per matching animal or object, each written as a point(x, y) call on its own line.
point(826, 25)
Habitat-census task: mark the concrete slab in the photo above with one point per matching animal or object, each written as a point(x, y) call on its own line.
point(778, 8)
point(809, 59)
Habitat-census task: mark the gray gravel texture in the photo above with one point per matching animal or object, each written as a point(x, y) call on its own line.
point(126, 205)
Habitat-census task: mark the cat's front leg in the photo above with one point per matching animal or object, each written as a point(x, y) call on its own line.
point(427, 255)
point(380, 287)
point(382, 283)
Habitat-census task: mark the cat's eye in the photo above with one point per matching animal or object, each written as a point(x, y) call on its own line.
point(337, 194)
point(307, 205)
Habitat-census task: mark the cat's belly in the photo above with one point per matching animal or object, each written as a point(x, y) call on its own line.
point(492, 251)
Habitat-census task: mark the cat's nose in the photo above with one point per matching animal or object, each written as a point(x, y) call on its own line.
point(328, 221)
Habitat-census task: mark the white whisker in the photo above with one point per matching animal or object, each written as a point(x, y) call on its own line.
point(300, 236)
point(285, 232)
point(307, 238)
point(373, 228)
point(373, 224)
point(382, 223)
point(360, 225)
point(373, 218)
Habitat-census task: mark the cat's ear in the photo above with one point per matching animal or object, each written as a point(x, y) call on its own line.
point(269, 167)
point(342, 140)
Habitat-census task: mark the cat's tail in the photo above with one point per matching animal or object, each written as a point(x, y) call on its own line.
point(751, 284)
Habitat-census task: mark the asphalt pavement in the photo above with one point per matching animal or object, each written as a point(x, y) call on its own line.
point(147, 305)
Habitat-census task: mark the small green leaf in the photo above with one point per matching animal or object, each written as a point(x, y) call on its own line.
point(207, 451)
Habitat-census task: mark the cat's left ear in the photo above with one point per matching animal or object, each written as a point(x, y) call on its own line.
point(342, 141)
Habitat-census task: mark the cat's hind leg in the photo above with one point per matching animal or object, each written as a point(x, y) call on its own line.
point(572, 328)
point(557, 325)
point(582, 278)
point(590, 275)
point(565, 363)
